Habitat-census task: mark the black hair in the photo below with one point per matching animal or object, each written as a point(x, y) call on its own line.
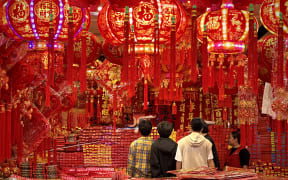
point(236, 134)
point(205, 127)
point(165, 129)
point(145, 127)
point(197, 124)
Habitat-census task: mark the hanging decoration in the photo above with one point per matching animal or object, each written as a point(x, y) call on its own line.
point(280, 107)
point(142, 16)
point(34, 15)
point(270, 15)
point(227, 29)
point(247, 115)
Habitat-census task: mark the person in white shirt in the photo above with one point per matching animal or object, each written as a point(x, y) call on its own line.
point(194, 150)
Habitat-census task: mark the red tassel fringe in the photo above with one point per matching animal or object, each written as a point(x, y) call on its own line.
point(193, 56)
point(173, 60)
point(83, 84)
point(205, 71)
point(145, 95)
point(124, 70)
point(70, 48)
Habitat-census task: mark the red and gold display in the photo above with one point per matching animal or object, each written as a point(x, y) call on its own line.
point(142, 16)
point(29, 19)
point(227, 29)
point(93, 50)
point(270, 15)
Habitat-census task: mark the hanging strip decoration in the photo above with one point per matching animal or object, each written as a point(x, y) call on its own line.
point(124, 70)
point(70, 48)
point(132, 65)
point(212, 60)
point(83, 75)
point(8, 134)
point(145, 94)
point(220, 60)
point(205, 72)
point(231, 60)
point(172, 60)
point(280, 57)
point(252, 53)
point(114, 111)
point(50, 71)
point(157, 69)
point(192, 61)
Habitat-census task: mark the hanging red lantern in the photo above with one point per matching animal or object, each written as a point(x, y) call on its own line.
point(142, 16)
point(29, 19)
point(227, 29)
point(93, 50)
point(270, 15)
point(112, 53)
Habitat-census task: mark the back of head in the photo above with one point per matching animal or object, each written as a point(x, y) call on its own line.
point(145, 127)
point(205, 128)
point(197, 124)
point(165, 129)
point(236, 134)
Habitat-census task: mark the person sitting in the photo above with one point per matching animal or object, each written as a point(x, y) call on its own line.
point(238, 156)
point(140, 151)
point(163, 152)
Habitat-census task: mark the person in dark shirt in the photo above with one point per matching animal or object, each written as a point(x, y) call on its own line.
point(163, 152)
point(238, 156)
point(214, 151)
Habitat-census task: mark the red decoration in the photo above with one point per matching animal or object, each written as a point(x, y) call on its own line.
point(270, 15)
point(112, 53)
point(21, 23)
point(93, 49)
point(111, 23)
point(225, 36)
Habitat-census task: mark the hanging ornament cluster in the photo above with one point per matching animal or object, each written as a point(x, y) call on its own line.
point(142, 17)
point(247, 114)
point(30, 19)
point(227, 29)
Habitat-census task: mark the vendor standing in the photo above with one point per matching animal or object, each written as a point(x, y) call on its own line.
point(238, 156)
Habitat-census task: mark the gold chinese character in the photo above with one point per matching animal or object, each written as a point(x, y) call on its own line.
point(182, 108)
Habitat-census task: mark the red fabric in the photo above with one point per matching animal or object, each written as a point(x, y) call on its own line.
point(2, 132)
point(84, 3)
point(233, 160)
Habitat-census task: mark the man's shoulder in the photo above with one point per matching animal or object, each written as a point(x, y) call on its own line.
point(183, 140)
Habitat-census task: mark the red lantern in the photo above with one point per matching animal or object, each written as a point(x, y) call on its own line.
point(112, 53)
point(93, 50)
point(227, 29)
point(270, 15)
point(29, 19)
point(267, 48)
point(142, 16)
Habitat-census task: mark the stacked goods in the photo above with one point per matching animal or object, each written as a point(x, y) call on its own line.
point(120, 146)
point(51, 172)
point(265, 140)
point(270, 169)
point(26, 170)
point(39, 172)
point(66, 159)
point(60, 143)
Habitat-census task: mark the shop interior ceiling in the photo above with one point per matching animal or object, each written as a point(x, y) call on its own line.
point(94, 28)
